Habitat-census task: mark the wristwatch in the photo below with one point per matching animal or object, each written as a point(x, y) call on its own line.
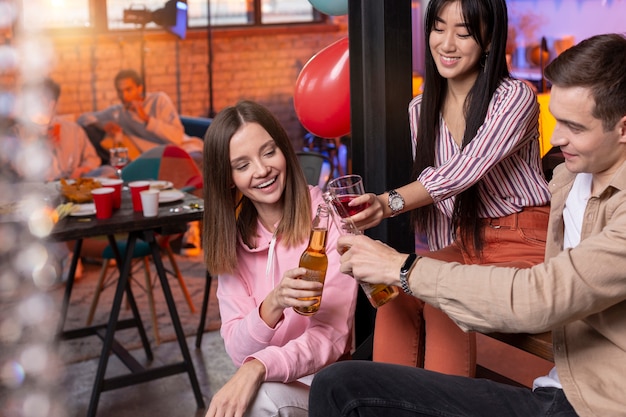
point(406, 268)
point(395, 202)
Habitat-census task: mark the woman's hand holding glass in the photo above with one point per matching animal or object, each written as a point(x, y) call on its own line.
point(372, 215)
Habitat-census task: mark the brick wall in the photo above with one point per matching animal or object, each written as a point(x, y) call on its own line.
point(258, 64)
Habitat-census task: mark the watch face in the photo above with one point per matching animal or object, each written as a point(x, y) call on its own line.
point(396, 203)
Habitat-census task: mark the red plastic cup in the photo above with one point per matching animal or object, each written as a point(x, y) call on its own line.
point(135, 188)
point(103, 200)
point(116, 184)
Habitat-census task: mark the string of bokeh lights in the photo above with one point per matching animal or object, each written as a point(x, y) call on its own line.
point(30, 368)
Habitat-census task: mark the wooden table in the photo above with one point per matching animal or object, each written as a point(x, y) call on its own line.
point(126, 221)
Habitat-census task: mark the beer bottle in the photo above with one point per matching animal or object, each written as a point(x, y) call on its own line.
point(314, 258)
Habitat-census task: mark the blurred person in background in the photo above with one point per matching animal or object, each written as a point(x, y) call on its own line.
point(139, 122)
point(71, 153)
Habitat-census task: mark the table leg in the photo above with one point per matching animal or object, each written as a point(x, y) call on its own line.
point(111, 326)
point(180, 335)
point(205, 307)
point(129, 294)
point(68, 286)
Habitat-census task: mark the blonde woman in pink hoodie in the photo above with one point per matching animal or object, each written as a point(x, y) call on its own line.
point(257, 219)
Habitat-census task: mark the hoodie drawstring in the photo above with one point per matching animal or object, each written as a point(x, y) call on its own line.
point(269, 268)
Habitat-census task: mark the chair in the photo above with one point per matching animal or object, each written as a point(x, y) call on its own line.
point(164, 163)
point(538, 345)
point(317, 167)
point(168, 163)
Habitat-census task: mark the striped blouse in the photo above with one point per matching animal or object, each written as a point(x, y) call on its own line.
point(503, 159)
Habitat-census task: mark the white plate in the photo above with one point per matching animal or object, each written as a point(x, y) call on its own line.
point(161, 185)
point(79, 210)
point(167, 196)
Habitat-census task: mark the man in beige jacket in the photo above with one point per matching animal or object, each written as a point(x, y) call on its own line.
point(579, 292)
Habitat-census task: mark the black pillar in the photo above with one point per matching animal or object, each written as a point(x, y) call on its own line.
point(380, 91)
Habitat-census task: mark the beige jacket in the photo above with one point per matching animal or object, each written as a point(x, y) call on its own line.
point(578, 293)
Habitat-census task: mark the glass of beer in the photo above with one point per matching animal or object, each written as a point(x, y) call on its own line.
point(340, 192)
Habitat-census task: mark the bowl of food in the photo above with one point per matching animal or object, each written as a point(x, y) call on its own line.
point(78, 190)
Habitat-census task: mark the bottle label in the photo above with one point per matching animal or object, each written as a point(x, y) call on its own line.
point(312, 275)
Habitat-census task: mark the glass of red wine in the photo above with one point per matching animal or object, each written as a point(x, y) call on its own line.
point(118, 158)
point(341, 191)
point(345, 189)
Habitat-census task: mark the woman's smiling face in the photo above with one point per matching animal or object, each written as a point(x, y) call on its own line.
point(258, 167)
point(455, 51)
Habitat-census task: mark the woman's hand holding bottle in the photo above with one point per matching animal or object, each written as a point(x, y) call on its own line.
point(290, 292)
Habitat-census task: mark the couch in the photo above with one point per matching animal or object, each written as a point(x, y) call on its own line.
point(195, 126)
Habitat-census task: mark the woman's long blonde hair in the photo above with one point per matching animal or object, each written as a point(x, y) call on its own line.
point(226, 211)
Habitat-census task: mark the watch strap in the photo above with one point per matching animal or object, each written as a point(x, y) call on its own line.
point(406, 268)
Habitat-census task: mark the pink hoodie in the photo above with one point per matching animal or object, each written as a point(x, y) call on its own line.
point(299, 345)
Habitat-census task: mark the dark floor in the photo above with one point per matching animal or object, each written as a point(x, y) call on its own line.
point(167, 397)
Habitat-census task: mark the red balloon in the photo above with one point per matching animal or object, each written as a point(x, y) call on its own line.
point(322, 96)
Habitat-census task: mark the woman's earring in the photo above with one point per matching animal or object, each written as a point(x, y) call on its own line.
point(483, 61)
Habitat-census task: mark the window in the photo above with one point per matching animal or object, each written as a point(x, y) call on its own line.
point(56, 14)
point(109, 14)
point(276, 11)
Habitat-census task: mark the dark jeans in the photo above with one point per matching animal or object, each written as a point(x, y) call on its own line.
point(366, 389)
point(95, 135)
